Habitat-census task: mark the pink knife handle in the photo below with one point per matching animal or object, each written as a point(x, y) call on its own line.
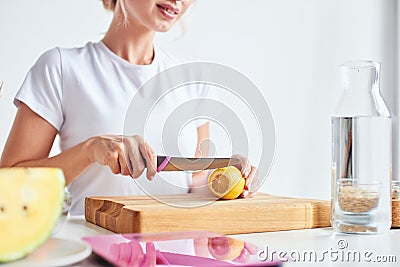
point(163, 164)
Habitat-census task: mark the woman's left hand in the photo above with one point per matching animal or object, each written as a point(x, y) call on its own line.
point(248, 172)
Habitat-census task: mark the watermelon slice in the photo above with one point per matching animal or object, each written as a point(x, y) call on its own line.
point(31, 201)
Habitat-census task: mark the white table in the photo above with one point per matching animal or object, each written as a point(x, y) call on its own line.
point(321, 247)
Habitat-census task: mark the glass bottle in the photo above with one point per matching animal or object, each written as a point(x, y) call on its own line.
point(361, 153)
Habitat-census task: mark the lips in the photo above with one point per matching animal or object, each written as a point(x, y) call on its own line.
point(168, 10)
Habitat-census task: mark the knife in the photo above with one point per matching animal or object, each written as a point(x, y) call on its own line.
point(166, 163)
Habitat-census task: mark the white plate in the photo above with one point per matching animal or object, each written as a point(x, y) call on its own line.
point(55, 252)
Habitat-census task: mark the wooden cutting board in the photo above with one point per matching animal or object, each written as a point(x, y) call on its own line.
point(262, 213)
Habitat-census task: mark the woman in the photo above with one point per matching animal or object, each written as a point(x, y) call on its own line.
point(82, 94)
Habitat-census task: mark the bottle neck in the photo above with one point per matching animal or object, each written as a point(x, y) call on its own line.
point(361, 96)
point(361, 80)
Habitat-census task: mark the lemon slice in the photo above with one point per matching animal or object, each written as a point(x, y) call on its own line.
point(226, 183)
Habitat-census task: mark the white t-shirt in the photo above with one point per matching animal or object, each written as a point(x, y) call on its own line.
point(85, 92)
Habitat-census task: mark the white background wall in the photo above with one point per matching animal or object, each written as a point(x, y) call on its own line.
point(290, 49)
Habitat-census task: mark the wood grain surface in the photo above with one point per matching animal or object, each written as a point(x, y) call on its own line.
point(262, 213)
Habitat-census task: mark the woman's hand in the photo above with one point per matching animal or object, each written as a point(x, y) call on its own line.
point(128, 155)
point(248, 172)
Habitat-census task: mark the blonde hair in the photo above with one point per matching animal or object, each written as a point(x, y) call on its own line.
point(109, 4)
point(112, 4)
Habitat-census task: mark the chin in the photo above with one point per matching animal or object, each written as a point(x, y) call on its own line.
point(162, 30)
point(163, 27)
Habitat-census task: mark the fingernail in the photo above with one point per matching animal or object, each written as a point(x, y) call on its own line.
point(151, 177)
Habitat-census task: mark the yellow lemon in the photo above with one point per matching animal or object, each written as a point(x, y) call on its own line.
point(226, 183)
point(225, 248)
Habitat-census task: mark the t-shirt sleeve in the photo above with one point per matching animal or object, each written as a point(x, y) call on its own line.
point(41, 90)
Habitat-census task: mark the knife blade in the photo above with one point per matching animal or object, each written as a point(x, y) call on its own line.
point(165, 163)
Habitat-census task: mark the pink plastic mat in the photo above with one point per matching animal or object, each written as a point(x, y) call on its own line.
point(196, 248)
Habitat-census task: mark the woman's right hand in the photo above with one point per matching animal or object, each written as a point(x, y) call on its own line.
point(128, 155)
